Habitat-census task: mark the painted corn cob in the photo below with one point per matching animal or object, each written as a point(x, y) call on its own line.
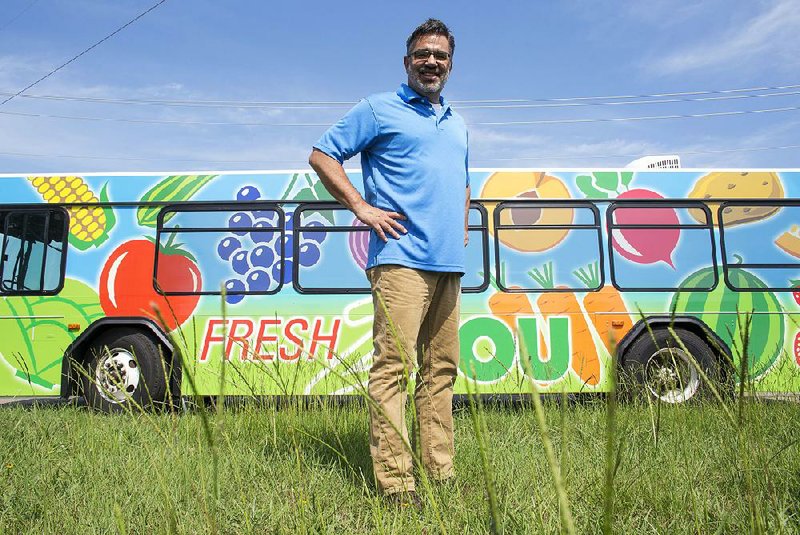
point(89, 225)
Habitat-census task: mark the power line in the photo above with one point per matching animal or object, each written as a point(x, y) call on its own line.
point(629, 102)
point(104, 39)
point(644, 118)
point(156, 121)
point(133, 159)
point(476, 123)
point(562, 156)
point(96, 100)
point(726, 94)
point(13, 20)
point(680, 152)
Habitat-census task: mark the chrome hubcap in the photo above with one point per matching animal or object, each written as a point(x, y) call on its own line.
point(117, 375)
point(670, 375)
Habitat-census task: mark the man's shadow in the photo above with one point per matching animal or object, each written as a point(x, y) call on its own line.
point(346, 450)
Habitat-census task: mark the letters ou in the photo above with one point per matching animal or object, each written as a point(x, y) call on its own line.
point(489, 350)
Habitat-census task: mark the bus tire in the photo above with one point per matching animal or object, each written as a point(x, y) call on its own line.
point(125, 370)
point(656, 365)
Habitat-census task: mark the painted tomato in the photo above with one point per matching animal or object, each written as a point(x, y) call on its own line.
point(127, 287)
point(797, 348)
point(796, 293)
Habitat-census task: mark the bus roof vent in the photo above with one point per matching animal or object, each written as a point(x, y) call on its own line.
point(670, 161)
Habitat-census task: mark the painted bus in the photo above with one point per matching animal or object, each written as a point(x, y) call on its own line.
point(139, 287)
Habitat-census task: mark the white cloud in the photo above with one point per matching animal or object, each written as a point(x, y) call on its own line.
point(771, 36)
point(493, 148)
point(490, 140)
point(667, 13)
point(18, 71)
point(46, 144)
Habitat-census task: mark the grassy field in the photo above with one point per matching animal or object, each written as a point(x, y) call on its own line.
point(702, 468)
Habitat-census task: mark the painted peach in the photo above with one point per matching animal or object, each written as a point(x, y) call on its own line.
point(528, 185)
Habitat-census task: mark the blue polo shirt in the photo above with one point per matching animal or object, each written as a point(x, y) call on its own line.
point(415, 163)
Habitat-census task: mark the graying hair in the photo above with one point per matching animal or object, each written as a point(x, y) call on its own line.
point(431, 27)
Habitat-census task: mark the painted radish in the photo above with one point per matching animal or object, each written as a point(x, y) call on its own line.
point(359, 244)
point(645, 246)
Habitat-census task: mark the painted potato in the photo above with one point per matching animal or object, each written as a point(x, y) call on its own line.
point(528, 185)
point(738, 185)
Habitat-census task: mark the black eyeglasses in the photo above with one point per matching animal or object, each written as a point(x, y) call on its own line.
point(423, 54)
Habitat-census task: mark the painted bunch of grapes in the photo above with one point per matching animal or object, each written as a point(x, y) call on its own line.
point(255, 255)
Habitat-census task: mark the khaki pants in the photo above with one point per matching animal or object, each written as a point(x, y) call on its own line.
point(415, 329)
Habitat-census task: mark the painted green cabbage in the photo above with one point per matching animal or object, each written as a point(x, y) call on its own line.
point(35, 334)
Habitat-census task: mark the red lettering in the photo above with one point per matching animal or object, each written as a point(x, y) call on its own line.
point(288, 339)
point(318, 337)
point(241, 338)
point(263, 337)
point(293, 338)
point(210, 338)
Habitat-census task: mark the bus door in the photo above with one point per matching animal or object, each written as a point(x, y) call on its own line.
point(32, 258)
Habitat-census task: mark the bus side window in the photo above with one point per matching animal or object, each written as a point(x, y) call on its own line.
point(547, 246)
point(242, 247)
point(339, 246)
point(33, 246)
point(656, 246)
point(760, 244)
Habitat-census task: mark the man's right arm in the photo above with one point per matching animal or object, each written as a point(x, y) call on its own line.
point(335, 180)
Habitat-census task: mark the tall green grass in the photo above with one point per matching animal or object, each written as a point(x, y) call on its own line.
point(298, 467)
point(545, 464)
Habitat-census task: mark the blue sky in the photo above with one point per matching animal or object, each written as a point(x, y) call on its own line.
point(307, 52)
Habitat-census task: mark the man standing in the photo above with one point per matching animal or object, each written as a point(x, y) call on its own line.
point(414, 162)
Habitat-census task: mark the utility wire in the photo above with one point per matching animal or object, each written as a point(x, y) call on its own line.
point(297, 106)
point(628, 102)
point(13, 20)
point(476, 123)
point(562, 156)
point(727, 94)
point(644, 118)
point(680, 152)
point(104, 39)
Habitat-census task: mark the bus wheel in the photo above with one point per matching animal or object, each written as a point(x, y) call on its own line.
point(125, 370)
point(665, 370)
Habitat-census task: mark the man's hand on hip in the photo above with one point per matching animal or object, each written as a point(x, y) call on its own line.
point(333, 176)
point(381, 221)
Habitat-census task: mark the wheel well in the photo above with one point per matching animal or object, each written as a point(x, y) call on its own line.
point(688, 323)
point(77, 351)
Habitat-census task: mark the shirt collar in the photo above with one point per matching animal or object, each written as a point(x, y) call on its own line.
point(409, 95)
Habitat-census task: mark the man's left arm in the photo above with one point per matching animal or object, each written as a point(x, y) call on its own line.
point(466, 219)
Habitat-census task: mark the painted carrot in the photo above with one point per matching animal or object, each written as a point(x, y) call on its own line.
point(605, 307)
point(507, 306)
point(585, 361)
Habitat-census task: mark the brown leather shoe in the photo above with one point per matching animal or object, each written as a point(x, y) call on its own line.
point(403, 499)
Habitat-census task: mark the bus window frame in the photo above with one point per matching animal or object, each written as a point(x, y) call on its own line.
point(319, 206)
point(780, 203)
point(47, 210)
point(231, 207)
point(659, 203)
point(528, 203)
